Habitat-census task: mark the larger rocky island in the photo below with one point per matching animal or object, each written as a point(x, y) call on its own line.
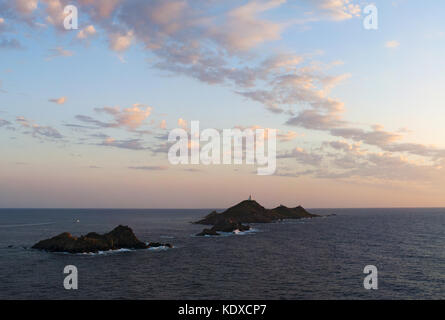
point(121, 237)
point(248, 211)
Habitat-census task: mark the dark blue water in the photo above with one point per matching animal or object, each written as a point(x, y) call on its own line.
point(320, 258)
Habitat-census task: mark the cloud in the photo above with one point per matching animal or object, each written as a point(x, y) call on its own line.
point(354, 164)
point(132, 144)
point(302, 156)
point(25, 7)
point(375, 137)
point(60, 100)
point(163, 124)
point(415, 148)
point(182, 123)
point(193, 39)
point(78, 126)
point(286, 61)
point(132, 117)
point(338, 9)
point(86, 32)
point(100, 9)
point(392, 44)
point(182, 28)
point(4, 123)
point(90, 120)
point(46, 131)
point(99, 135)
point(268, 98)
point(22, 121)
point(217, 47)
point(120, 41)
point(2, 24)
point(58, 52)
point(345, 146)
point(293, 85)
point(313, 119)
point(288, 136)
point(333, 123)
point(55, 15)
point(162, 148)
point(37, 130)
point(243, 29)
point(389, 167)
point(10, 44)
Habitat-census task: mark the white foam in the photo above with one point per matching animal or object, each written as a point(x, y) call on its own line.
point(229, 234)
point(107, 252)
point(116, 251)
point(242, 233)
point(160, 248)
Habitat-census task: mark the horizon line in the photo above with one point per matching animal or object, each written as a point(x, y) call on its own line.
point(211, 208)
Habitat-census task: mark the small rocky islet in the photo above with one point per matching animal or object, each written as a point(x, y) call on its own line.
point(121, 237)
point(248, 211)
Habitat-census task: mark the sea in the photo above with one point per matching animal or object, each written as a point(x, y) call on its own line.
point(320, 258)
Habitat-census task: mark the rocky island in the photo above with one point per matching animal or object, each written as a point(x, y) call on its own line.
point(224, 226)
point(248, 211)
point(121, 237)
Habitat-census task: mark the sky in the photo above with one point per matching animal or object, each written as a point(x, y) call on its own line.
point(85, 113)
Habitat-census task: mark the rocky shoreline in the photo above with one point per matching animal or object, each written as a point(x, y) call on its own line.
point(121, 237)
point(226, 226)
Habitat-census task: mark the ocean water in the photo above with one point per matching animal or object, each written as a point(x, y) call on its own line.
point(320, 258)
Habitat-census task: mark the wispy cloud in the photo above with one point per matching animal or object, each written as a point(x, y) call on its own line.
point(4, 122)
point(86, 32)
point(131, 144)
point(37, 130)
point(58, 52)
point(6, 44)
point(392, 44)
point(60, 100)
point(132, 117)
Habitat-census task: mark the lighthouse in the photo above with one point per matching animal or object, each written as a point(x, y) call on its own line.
point(250, 197)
